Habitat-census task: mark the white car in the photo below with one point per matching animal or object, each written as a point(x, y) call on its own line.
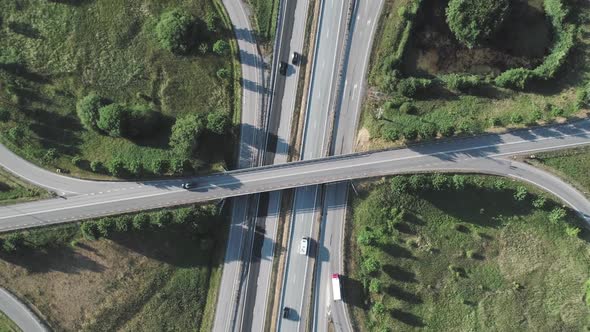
point(303, 246)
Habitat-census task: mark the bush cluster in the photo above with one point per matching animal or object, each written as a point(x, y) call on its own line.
point(475, 21)
point(116, 120)
point(458, 82)
point(520, 78)
point(175, 31)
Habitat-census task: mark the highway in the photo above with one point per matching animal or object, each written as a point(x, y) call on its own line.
point(296, 290)
point(364, 22)
point(291, 35)
point(251, 138)
point(439, 155)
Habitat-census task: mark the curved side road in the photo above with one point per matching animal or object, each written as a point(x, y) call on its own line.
point(19, 313)
point(251, 139)
point(426, 157)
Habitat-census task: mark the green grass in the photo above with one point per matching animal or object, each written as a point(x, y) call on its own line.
point(571, 164)
point(157, 279)
point(65, 51)
point(266, 12)
point(14, 190)
point(484, 109)
point(7, 325)
point(469, 260)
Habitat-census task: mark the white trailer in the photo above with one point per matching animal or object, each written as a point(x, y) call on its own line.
point(336, 287)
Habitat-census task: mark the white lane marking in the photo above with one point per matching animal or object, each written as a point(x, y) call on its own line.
point(331, 169)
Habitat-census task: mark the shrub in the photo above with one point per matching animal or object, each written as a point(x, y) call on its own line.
point(378, 309)
point(520, 193)
point(398, 185)
point(366, 238)
point(203, 48)
point(447, 129)
point(89, 230)
point(116, 167)
point(440, 182)
point(556, 215)
point(76, 161)
point(474, 21)
point(185, 134)
point(539, 202)
point(572, 231)
point(217, 122)
point(375, 286)
point(16, 133)
point(174, 31)
point(4, 115)
point(221, 47)
point(223, 73)
point(409, 87)
point(163, 218)
point(460, 82)
point(96, 166)
point(390, 132)
point(459, 182)
point(517, 78)
point(13, 242)
point(111, 119)
point(141, 221)
point(87, 109)
point(160, 166)
point(370, 266)
point(135, 167)
point(50, 156)
point(427, 130)
point(587, 293)
point(408, 108)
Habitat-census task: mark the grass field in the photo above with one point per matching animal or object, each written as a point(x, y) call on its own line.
point(482, 109)
point(463, 260)
point(571, 164)
point(53, 53)
point(14, 190)
point(7, 325)
point(151, 280)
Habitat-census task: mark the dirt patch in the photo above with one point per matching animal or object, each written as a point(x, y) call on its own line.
point(362, 139)
point(523, 41)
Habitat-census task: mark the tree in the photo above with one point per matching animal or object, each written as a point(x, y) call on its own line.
point(223, 73)
point(174, 31)
point(135, 167)
point(459, 182)
point(539, 202)
point(4, 115)
point(163, 218)
point(474, 21)
point(111, 119)
point(185, 135)
point(87, 110)
point(89, 230)
point(366, 238)
point(370, 266)
point(217, 122)
point(572, 231)
point(160, 166)
point(440, 181)
point(221, 47)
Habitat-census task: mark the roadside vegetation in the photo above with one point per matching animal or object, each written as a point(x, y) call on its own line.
point(464, 252)
point(106, 88)
point(155, 271)
point(461, 67)
point(266, 14)
point(572, 165)
point(7, 325)
point(15, 190)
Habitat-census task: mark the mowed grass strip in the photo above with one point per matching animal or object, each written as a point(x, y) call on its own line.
point(464, 260)
point(53, 53)
point(571, 164)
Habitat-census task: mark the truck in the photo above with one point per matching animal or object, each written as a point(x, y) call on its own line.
point(336, 287)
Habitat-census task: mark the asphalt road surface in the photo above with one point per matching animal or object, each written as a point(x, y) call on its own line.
point(440, 155)
point(328, 50)
point(251, 138)
point(348, 109)
point(19, 313)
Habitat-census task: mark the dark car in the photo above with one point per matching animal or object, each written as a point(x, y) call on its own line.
point(295, 58)
point(283, 68)
point(286, 312)
point(188, 185)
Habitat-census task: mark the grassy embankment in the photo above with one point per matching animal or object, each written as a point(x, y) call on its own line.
point(266, 12)
point(53, 53)
point(7, 325)
point(463, 253)
point(421, 46)
point(14, 190)
point(572, 165)
point(151, 271)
